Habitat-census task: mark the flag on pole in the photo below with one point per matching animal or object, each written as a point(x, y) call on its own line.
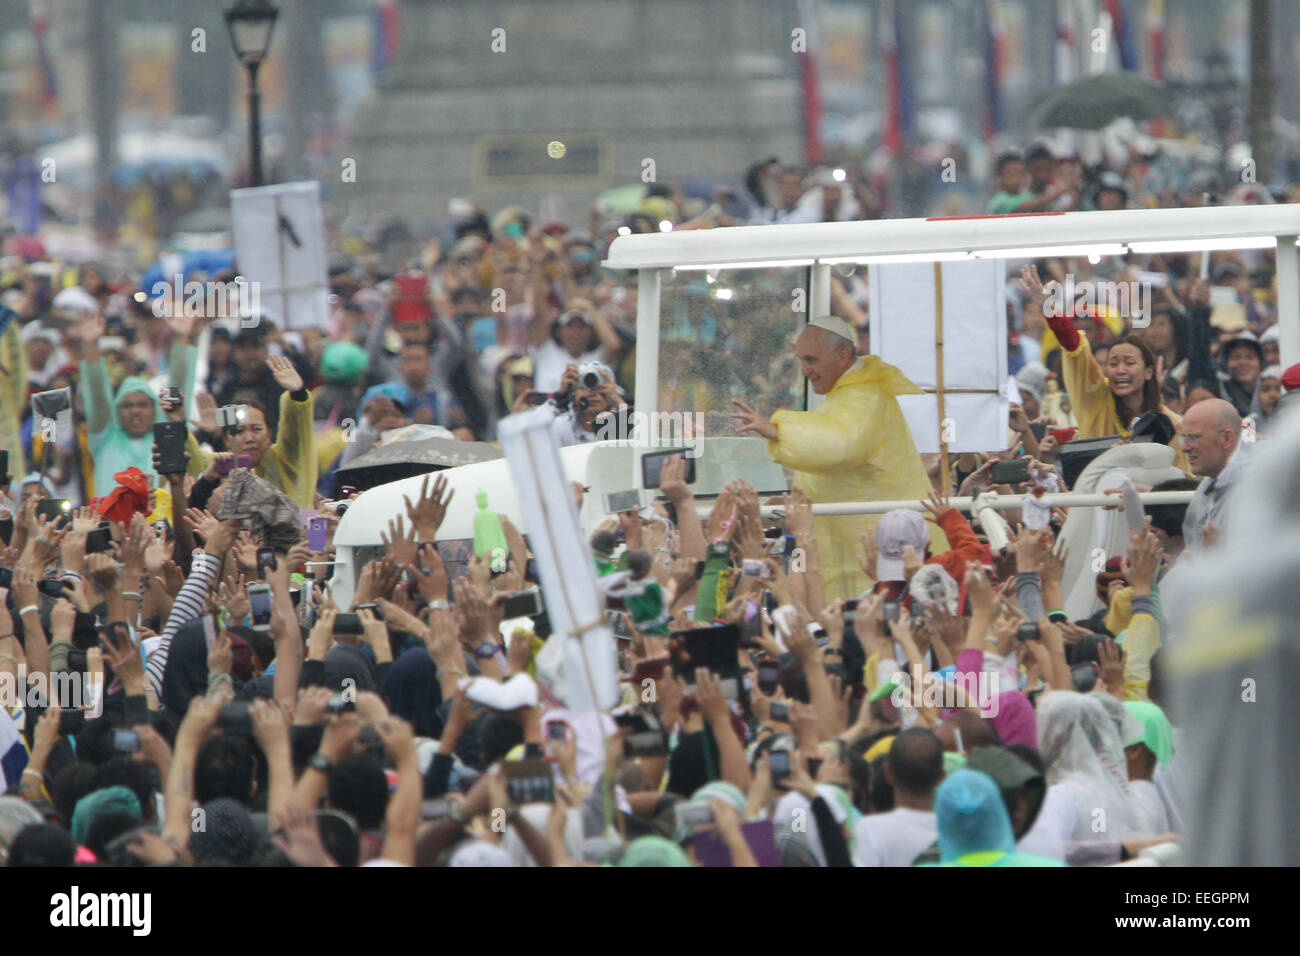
point(1156, 52)
point(1121, 15)
point(994, 64)
point(44, 64)
point(810, 83)
point(900, 104)
point(1063, 62)
point(387, 20)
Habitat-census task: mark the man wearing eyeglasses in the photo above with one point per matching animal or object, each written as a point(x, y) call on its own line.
point(1217, 454)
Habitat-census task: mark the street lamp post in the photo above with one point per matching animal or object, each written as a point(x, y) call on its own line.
point(250, 23)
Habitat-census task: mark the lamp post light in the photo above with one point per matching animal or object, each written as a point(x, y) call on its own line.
point(250, 23)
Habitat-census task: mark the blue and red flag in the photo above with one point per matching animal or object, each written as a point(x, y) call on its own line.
point(900, 116)
point(994, 66)
point(1123, 26)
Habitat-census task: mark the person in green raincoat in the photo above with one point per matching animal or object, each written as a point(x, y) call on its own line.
point(120, 423)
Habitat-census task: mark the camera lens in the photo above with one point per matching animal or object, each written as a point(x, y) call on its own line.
point(590, 380)
point(342, 510)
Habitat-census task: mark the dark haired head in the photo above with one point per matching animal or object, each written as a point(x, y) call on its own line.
point(107, 827)
point(42, 844)
point(1150, 387)
point(497, 736)
point(140, 779)
point(1011, 156)
point(225, 767)
point(916, 761)
point(69, 785)
point(358, 786)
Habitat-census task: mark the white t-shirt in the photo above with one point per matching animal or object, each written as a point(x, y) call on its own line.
point(549, 361)
point(1055, 826)
point(895, 838)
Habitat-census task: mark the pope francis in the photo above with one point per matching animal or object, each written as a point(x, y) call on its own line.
point(855, 446)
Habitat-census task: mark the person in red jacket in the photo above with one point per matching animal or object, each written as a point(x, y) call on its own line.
point(899, 529)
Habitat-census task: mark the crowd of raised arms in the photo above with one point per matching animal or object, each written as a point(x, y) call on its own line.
point(182, 689)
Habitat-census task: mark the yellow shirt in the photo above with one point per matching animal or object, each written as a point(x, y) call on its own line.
point(1094, 404)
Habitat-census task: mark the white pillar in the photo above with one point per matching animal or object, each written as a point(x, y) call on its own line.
point(1288, 301)
point(647, 356)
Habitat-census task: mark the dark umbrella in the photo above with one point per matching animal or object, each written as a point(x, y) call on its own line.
point(406, 459)
point(1097, 101)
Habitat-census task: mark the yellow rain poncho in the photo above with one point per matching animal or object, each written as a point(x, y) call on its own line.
point(855, 446)
point(1094, 405)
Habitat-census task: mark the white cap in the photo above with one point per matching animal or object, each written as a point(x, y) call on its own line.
point(833, 323)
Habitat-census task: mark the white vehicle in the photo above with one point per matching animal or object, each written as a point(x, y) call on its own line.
point(601, 467)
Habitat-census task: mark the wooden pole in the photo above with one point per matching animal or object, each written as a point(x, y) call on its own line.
point(938, 376)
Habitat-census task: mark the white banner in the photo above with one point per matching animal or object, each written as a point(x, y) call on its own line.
point(280, 244)
point(574, 602)
point(903, 298)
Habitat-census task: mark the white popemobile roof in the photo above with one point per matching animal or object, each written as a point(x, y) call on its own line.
point(1028, 235)
point(920, 238)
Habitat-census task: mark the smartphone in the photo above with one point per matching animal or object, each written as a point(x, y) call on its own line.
point(850, 610)
point(1011, 472)
point(652, 466)
point(779, 761)
point(53, 587)
point(646, 743)
point(529, 781)
point(4, 464)
point(265, 561)
point(435, 809)
point(1038, 430)
point(617, 622)
point(235, 719)
point(224, 466)
point(372, 608)
point(617, 502)
point(170, 394)
point(769, 676)
point(780, 711)
point(525, 603)
point(753, 568)
point(891, 610)
point(243, 461)
point(1028, 632)
point(556, 731)
point(126, 742)
point(259, 605)
point(163, 528)
point(348, 624)
point(317, 534)
point(169, 437)
point(99, 540)
point(691, 817)
point(53, 508)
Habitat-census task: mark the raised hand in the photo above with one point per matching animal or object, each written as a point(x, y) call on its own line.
point(286, 376)
point(399, 542)
point(746, 419)
point(427, 513)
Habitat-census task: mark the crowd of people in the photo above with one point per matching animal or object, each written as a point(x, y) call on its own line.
point(797, 691)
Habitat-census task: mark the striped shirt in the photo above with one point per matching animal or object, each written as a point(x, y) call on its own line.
point(189, 604)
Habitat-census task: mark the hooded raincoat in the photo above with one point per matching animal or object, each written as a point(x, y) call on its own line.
point(113, 449)
point(855, 446)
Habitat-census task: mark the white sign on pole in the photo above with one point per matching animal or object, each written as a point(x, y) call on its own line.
point(574, 602)
point(280, 243)
point(903, 299)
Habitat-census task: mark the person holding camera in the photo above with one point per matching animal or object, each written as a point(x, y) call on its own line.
point(587, 404)
point(578, 337)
